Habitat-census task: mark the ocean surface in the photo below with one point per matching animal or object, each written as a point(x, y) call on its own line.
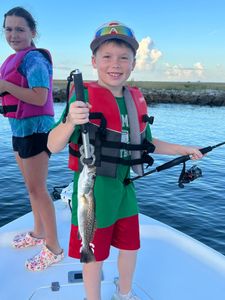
point(197, 210)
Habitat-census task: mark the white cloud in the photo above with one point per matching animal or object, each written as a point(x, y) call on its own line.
point(199, 69)
point(155, 55)
point(178, 72)
point(147, 56)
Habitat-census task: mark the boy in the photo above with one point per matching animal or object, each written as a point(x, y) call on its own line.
point(114, 48)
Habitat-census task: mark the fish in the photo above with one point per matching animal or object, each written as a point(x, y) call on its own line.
point(86, 212)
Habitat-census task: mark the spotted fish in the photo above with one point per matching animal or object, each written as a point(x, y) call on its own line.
point(86, 212)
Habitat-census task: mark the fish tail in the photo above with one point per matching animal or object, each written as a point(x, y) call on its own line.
point(87, 255)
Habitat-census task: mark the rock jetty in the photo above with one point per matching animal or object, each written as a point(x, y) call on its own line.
point(196, 97)
point(199, 97)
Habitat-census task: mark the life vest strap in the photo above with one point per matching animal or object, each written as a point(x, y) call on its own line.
point(145, 158)
point(145, 146)
point(4, 94)
point(9, 108)
point(149, 119)
point(103, 122)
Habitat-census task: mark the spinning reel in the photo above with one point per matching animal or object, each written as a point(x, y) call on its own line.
point(190, 175)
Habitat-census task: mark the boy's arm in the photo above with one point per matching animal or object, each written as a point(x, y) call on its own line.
point(60, 135)
point(162, 147)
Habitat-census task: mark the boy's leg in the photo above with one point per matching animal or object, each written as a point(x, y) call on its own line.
point(126, 267)
point(92, 280)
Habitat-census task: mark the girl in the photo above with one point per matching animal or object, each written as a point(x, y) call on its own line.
point(26, 88)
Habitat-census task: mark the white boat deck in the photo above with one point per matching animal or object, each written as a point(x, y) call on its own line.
point(171, 266)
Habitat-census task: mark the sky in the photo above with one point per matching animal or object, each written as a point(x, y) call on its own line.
point(179, 40)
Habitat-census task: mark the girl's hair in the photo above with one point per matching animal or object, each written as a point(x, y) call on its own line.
point(23, 13)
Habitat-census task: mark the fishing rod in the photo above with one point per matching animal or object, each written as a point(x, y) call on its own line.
point(86, 150)
point(175, 162)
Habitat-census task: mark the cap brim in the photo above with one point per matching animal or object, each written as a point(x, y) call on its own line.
point(98, 41)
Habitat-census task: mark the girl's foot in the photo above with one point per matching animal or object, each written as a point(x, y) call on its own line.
point(43, 260)
point(25, 239)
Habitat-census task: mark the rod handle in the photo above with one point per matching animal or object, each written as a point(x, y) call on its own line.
point(79, 91)
point(206, 149)
point(172, 163)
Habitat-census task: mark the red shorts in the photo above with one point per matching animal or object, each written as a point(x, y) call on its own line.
point(124, 235)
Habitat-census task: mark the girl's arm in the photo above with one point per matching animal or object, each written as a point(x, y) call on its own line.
point(37, 96)
point(175, 149)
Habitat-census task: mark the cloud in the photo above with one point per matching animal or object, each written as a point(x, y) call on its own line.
point(147, 56)
point(199, 69)
point(178, 72)
point(62, 67)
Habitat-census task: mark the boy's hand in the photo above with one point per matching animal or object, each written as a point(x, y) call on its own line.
point(78, 113)
point(193, 152)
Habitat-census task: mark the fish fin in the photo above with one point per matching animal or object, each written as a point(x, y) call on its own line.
point(78, 235)
point(87, 255)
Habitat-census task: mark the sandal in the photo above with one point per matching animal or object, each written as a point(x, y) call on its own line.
point(25, 239)
point(43, 260)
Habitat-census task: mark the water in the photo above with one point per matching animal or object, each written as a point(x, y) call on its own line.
point(198, 209)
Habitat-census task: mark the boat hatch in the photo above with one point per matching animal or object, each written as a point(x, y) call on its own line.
point(75, 276)
point(59, 290)
point(69, 291)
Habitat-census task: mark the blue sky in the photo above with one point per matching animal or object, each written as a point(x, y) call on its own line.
point(180, 40)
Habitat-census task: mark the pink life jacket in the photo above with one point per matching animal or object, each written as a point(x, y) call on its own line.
point(103, 102)
point(13, 107)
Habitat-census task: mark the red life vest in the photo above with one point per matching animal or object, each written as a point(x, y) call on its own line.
point(106, 144)
point(13, 107)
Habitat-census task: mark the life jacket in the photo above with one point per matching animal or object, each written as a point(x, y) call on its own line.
point(105, 128)
point(13, 107)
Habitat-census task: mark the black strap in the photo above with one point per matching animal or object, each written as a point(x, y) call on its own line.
point(128, 162)
point(4, 94)
point(69, 80)
point(148, 119)
point(8, 108)
point(145, 146)
point(103, 122)
point(145, 159)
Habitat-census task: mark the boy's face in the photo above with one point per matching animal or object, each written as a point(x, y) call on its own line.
point(114, 63)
